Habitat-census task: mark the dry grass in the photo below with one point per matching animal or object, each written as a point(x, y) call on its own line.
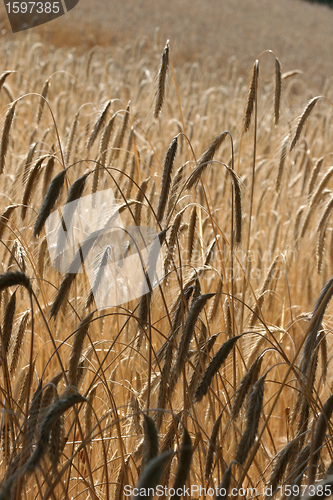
point(194, 383)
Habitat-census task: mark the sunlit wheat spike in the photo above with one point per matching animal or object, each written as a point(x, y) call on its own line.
point(50, 198)
point(322, 340)
point(188, 331)
point(184, 464)
point(261, 296)
point(49, 395)
point(76, 189)
point(17, 342)
point(314, 174)
point(121, 133)
point(66, 401)
point(301, 121)
point(166, 179)
point(251, 96)
point(315, 199)
point(212, 446)
point(172, 242)
point(44, 94)
point(180, 306)
point(163, 390)
point(321, 230)
point(162, 80)
point(31, 183)
point(105, 140)
point(210, 250)
point(252, 420)
point(56, 443)
point(134, 412)
point(215, 302)
point(99, 275)
point(4, 141)
point(191, 234)
point(151, 475)
point(98, 125)
point(72, 271)
point(7, 325)
point(227, 317)
point(245, 385)
point(314, 325)
point(74, 194)
point(27, 162)
point(214, 366)
point(283, 155)
point(139, 199)
point(33, 413)
point(238, 205)
point(48, 171)
point(170, 436)
point(176, 182)
point(205, 159)
point(80, 334)
point(277, 93)
point(199, 363)
point(71, 135)
point(150, 444)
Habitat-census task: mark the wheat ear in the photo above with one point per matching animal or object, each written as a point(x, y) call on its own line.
point(50, 198)
point(252, 420)
point(81, 332)
point(314, 174)
point(98, 125)
point(278, 88)
point(283, 155)
point(121, 133)
point(161, 80)
point(187, 335)
point(176, 182)
point(214, 367)
point(205, 159)
point(281, 462)
point(7, 325)
point(212, 446)
point(31, 183)
point(166, 179)
point(314, 325)
point(315, 198)
point(301, 121)
point(246, 383)
point(15, 354)
point(251, 96)
point(4, 141)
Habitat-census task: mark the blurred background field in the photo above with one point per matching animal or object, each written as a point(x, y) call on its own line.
point(301, 32)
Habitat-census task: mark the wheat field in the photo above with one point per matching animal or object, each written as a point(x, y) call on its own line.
point(217, 378)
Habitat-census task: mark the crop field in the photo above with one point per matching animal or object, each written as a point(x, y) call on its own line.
point(215, 380)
